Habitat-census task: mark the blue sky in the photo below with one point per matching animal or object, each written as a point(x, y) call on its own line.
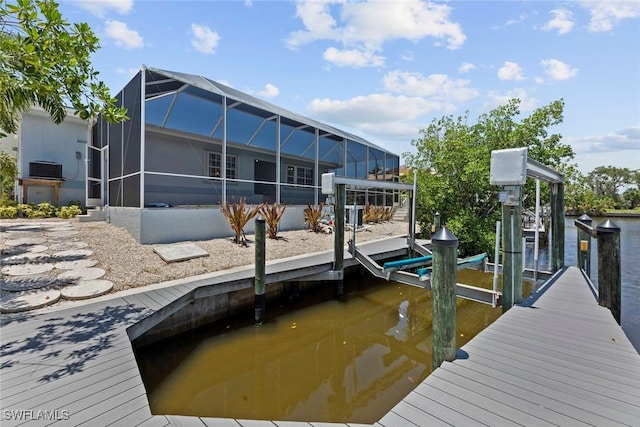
point(385, 69)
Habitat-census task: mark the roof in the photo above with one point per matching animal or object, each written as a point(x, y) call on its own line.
point(218, 88)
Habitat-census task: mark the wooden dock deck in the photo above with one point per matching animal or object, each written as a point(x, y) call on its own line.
point(561, 359)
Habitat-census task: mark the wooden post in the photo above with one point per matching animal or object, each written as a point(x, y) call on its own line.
point(436, 222)
point(609, 279)
point(557, 226)
point(511, 255)
point(584, 246)
point(259, 285)
point(338, 235)
point(294, 291)
point(443, 283)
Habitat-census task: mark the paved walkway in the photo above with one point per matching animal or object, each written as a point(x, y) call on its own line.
point(43, 262)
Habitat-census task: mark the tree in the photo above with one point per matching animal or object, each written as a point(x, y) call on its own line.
point(44, 60)
point(8, 172)
point(453, 162)
point(608, 181)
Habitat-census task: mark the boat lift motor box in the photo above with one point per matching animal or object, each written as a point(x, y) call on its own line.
point(508, 167)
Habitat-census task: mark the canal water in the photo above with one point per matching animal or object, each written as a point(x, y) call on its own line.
point(630, 267)
point(321, 360)
point(325, 360)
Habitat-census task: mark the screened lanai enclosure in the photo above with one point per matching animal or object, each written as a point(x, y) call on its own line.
point(195, 143)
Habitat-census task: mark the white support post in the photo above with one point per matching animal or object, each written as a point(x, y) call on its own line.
point(496, 260)
point(537, 233)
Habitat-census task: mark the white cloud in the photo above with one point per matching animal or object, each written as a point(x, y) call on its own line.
point(510, 71)
point(128, 72)
point(496, 99)
point(436, 86)
point(627, 139)
point(352, 58)
point(269, 91)
point(366, 26)
point(558, 70)
point(102, 7)
point(204, 39)
point(372, 109)
point(606, 14)
point(513, 21)
point(408, 56)
point(562, 21)
point(466, 67)
point(122, 35)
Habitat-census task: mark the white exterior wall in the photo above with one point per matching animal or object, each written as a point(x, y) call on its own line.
point(41, 139)
point(170, 225)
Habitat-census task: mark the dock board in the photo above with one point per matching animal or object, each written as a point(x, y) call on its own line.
point(557, 359)
point(560, 359)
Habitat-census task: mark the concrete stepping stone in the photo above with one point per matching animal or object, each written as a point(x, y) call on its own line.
point(87, 289)
point(179, 252)
point(75, 264)
point(59, 227)
point(25, 241)
point(19, 250)
point(90, 273)
point(26, 269)
point(14, 302)
point(72, 254)
point(36, 249)
point(23, 257)
point(13, 235)
point(25, 227)
point(65, 246)
point(26, 283)
point(65, 233)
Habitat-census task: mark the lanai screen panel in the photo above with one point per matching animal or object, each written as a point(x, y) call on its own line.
point(356, 160)
point(115, 159)
point(124, 149)
point(251, 153)
point(131, 129)
point(331, 155)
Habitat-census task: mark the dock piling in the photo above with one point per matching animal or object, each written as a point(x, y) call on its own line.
point(443, 283)
point(260, 261)
point(609, 267)
point(436, 222)
point(338, 236)
point(584, 246)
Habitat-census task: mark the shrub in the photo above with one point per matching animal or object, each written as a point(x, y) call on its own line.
point(8, 212)
point(238, 215)
point(272, 215)
point(24, 210)
point(69, 211)
point(312, 217)
point(387, 215)
point(46, 210)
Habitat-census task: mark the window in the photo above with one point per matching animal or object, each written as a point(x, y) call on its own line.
point(214, 165)
point(299, 175)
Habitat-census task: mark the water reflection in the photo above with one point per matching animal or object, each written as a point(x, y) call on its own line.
point(333, 361)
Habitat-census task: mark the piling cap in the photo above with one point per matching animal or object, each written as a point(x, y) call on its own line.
point(260, 218)
point(585, 218)
point(444, 238)
point(608, 226)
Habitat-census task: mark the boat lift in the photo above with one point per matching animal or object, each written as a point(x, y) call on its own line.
point(336, 185)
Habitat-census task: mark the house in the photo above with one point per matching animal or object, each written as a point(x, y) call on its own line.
point(50, 158)
point(192, 144)
point(189, 146)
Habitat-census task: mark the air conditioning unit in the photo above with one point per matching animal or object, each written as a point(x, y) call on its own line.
point(45, 170)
